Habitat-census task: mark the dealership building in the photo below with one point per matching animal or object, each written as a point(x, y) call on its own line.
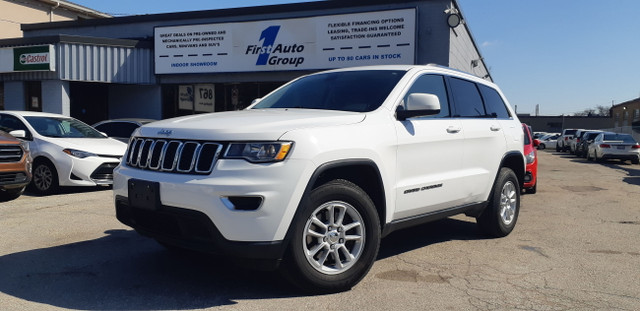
point(165, 65)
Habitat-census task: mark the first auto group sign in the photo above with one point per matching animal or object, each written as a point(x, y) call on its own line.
point(373, 38)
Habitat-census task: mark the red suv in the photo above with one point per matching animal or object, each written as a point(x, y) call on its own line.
point(15, 166)
point(530, 152)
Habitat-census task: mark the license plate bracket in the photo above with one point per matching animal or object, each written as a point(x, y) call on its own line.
point(144, 194)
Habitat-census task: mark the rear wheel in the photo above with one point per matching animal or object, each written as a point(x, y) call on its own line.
point(595, 156)
point(500, 216)
point(542, 146)
point(336, 241)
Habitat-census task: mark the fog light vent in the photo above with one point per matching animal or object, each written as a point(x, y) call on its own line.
point(238, 203)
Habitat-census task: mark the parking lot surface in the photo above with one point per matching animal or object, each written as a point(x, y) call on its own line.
point(575, 247)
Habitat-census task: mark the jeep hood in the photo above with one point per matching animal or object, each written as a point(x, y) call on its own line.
point(263, 124)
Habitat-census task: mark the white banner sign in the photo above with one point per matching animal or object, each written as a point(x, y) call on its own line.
point(334, 41)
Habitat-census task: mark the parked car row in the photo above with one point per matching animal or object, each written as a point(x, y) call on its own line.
point(599, 145)
point(54, 150)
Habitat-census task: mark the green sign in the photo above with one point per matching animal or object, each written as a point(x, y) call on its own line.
point(33, 58)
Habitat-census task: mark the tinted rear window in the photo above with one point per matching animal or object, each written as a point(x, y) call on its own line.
point(493, 102)
point(590, 136)
point(467, 99)
point(628, 139)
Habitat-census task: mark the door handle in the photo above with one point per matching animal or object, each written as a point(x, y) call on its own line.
point(453, 129)
point(495, 128)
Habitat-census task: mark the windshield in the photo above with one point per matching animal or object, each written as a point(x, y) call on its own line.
point(62, 127)
point(358, 91)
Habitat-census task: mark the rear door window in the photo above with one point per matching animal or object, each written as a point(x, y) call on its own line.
point(468, 101)
point(493, 102)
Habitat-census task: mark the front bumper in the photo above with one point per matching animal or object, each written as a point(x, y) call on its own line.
point(193, 230)
point(90, 171)
point(12, 180)
point(277, 186)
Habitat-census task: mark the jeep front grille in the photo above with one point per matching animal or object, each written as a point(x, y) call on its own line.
point(10, 154)
point(175, 156)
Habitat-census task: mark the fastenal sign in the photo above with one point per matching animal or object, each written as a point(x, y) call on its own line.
point(332, 41)
point(32, 58)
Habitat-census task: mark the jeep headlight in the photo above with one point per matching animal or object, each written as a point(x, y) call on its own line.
point(79, 153)
point(259, 152)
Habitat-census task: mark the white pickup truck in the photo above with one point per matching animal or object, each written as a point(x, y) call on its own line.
point(309, 178)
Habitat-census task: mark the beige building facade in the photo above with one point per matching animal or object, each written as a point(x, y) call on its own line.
point(13, 13)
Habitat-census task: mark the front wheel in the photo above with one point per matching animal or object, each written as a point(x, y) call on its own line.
point(500, 216)
point(45, 178)
point(335, 241)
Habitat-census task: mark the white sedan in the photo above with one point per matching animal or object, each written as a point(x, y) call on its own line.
point(614, 146)
point(548, 141)
point(65, 151)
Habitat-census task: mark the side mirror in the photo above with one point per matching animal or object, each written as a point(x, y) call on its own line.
point(417, 105)
point(18, 133)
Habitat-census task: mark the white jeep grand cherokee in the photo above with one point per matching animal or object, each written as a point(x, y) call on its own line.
point(312, 176)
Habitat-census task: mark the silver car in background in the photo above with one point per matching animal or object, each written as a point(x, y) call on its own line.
point(614, 146)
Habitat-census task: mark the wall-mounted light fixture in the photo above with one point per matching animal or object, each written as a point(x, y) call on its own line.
point(453, 19)
point(475, 62)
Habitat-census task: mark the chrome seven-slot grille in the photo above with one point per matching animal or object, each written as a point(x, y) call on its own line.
point(10, 153)
point(174, 156)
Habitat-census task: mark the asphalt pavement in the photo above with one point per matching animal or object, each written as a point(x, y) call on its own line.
point(575, 247)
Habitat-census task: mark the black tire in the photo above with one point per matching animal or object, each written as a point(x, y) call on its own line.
point(318, 239)
point(542, 146)
point(500, 216)
point(11, 194)
point(557, 148)
point(588, 155)
point(45, 178)
point(595, 157)
point(635, 161)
